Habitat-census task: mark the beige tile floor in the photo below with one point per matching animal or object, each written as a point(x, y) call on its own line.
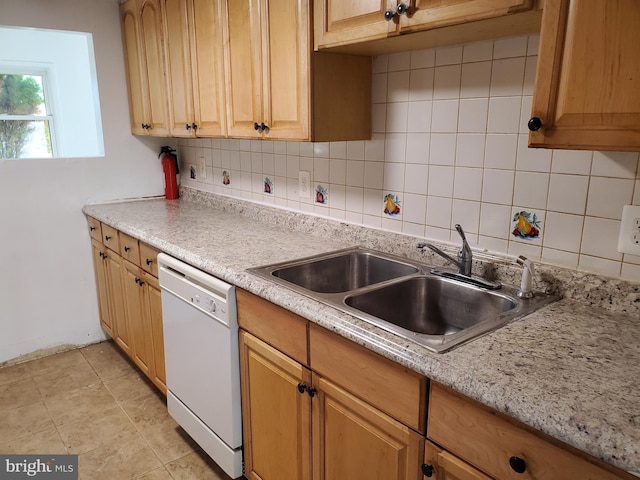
point(93, 402)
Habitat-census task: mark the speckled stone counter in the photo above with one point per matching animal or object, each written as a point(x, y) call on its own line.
point(571, 369)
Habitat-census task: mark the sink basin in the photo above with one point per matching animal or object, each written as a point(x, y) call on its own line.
point(402, 296)
point(432, 305)
point(342, 271)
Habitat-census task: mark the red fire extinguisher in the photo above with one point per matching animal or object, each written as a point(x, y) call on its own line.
point(170, 169)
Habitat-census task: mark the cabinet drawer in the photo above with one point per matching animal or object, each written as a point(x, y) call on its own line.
point(486, 440)
point(149, 259)
point(278, 327)
point(95, 231)
point(110, 238)
point(396, 390)
point(129, 248)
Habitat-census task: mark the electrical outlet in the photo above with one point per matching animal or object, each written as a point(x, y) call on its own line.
point(629, 239)
point(304, 180)
point(202, 169)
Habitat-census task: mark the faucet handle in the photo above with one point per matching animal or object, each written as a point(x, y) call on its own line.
point(461, 232)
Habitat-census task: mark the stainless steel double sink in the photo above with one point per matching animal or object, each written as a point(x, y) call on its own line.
point(402, 296)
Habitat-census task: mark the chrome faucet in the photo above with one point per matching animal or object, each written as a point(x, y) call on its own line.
point(463, 262)
point(465, 257)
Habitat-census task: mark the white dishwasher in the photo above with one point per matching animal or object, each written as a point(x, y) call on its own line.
point(202, 360)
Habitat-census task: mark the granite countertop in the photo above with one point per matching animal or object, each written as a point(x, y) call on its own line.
point(570, 369)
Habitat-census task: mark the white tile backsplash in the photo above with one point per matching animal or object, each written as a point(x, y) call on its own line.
point(510, 47)
point(497, 187)
point(472, 115)
point(421, 84)
point(600, 238)
point(450, 55)
point(423, 58)
point(504, 114)
point(507, 76)
point(446, 82)
point(476, 80)
point(567, 193)
point(607, 196)
point(450, 139)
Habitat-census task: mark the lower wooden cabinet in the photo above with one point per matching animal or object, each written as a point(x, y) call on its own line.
point(276, 415)
point(353, 439)
point(442, 465)
point(292, 414)
point(100, 272)
point(136, 299)
point(159, 376)
point(129, 298)
point(116, 301)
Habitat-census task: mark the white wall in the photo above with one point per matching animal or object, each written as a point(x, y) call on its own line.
point(450, 142)
point(47, 289)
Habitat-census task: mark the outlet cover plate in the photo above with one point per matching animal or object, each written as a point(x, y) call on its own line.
point(629, 239)
point(202, 169)
point(304, 181)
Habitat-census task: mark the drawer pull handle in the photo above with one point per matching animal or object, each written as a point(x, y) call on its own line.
point(149, 261)
point(310, 390)
point(427, 470)
point(126, 249)
point(534, 124)
point(517, 464)
point(107, 237)
point(92, 228)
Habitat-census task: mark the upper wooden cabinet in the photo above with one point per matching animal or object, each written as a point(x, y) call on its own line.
point(195, 66)
point(141, 22)
point(587, 93)
point(339, 23)
point(278, 89)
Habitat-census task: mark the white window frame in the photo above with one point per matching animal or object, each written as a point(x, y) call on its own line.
point(47, 91)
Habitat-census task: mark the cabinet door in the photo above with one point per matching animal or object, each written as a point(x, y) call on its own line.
point(337, 22)
point(181, 115)
point(152, 292)
point(100, 271)
point(445, 466)
point(154, 67)
point(425, 14)
point(208, 37)
point(352, 439)
point(133, 65)
point(117, 310)
point(586, 93)
point(287, 68)
point(244, 73)
point(276, 416)
point(136, 305)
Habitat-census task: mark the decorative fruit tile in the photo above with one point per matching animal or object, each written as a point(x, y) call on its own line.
point(322, 196)
point(226, 177)
point(392, 205)
point(526, 225)
point(268, 186)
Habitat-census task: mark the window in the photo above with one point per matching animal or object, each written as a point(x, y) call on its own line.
point(26, 122)
point(49, 102)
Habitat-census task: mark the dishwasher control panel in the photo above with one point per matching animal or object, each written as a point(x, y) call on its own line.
point(205, 302)
point(209, 294)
